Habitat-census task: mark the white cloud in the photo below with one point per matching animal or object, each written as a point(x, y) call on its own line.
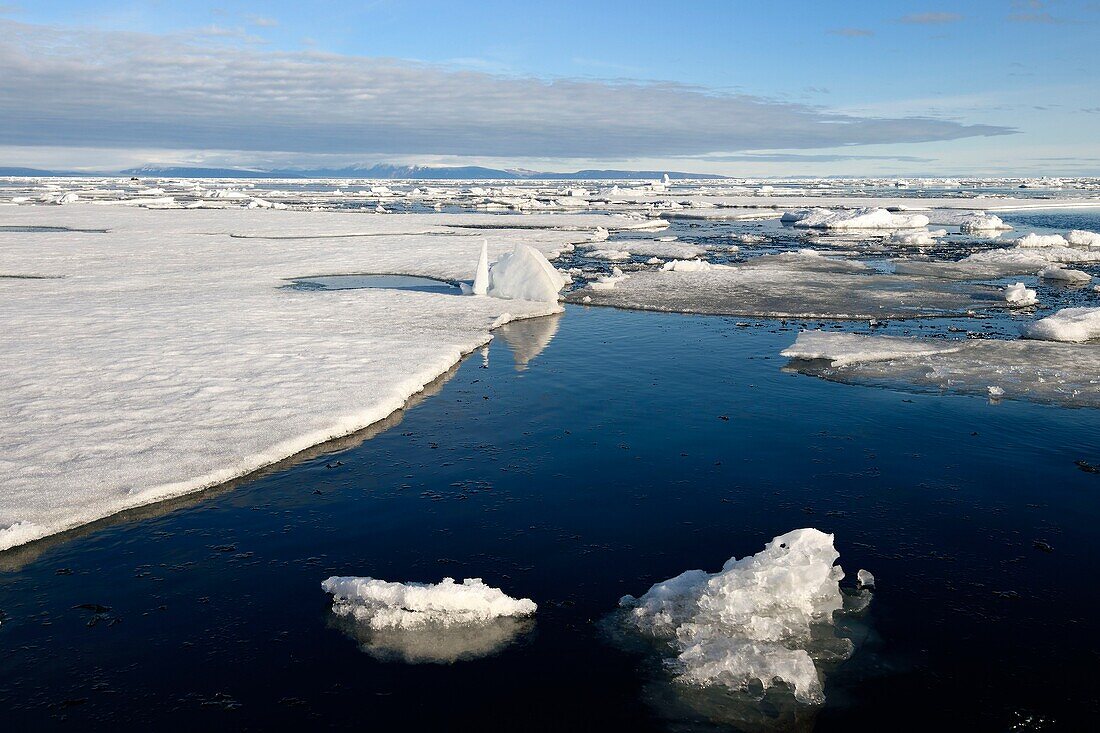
point(61, 87)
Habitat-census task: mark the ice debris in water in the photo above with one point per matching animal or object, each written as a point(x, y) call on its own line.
point(752, 620)
point(1020, 294)
point(978, 223)
point(996, 392)
point(384, 605)
point(1081, 238)
point(1069, 324)
point(865, 579)
point(524, 274)
point(842, 349)
point(1041, 241)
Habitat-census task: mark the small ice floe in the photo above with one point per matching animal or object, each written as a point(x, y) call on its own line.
point(866, 218)
point(416, 622)
point(607, 282)
point(759, 620)
point(865, 579)
point(692, 266)
point(1062, 274)
point(842, 349)
point(611, 255)
point(996, 392)
point(1074, 325)
point(524, 274)
point(1041, 241)
point(1081, 238)
point(1020, 294)
point(919, 238)
point(265, 204)
point(983, 223)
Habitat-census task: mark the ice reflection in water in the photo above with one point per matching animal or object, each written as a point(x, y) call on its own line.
point(434, 643)
point(527, 338)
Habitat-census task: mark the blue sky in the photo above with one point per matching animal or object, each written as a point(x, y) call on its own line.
point(853, 88)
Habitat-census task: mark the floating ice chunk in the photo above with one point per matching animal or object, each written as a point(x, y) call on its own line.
point(842, 349)
point(1061, 273)
point(264, 204)
point(1020, 294)
point(1069, 324)
point(608, 282)
point(865, 579)
point(917, 238)
point(384, 605)
point(1039, 241)
point(666, 250)
point(867, 218)
point(692, 266)
point(524, 274)
point(996, 392)
point(600, 235)
point(751, 621)
point(612, 255)
point(481, 275)
point(1081, 238)
point(980, 223)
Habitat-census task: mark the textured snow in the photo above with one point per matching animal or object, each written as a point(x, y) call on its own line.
point(919, 238)
point(753, 621)
point(525, 274)
point(692, 266)
point(1039, 241)
point(841, 349)
point(1081, 238)
point(166, 355)
point(1068, 324)
point(386, 605)
point(1051, 373)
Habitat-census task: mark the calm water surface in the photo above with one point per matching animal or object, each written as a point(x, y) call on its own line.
point(633, 447)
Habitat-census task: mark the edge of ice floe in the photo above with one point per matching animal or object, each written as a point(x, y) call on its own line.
point(21, 533)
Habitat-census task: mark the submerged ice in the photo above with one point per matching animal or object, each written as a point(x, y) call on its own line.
point(751, 622)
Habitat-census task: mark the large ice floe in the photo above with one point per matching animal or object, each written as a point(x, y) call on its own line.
point(166, 354)
point(757, 621)
point(1053, 373)
point(790, 285)
point(418, 622)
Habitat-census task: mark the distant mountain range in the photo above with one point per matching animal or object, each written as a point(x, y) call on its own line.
point(380, 171)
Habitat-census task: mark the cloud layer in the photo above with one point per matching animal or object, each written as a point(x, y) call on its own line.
point(62, 87)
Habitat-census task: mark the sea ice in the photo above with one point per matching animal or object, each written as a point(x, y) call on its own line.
point(1020, 294)
point(1069, 324)
point(753, 621)
point(1081, 238)
point(1062, 274)
point(983, 223)
point(865, 218)
point(1051, 373)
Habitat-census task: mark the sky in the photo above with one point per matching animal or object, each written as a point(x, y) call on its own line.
point(990, 87)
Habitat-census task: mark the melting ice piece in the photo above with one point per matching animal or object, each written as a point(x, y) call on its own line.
point(1068, 324)
point(1020, 294)
point(979, 223)
point(524, 274)
point(385, 605)
point(865, 578)
point(481, 275)
point(751, 621)
point(868, 218)
point(1081, 238)
point(1062, 274)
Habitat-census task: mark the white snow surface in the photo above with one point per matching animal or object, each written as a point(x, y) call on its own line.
point(1063, 274)
point(1020, 294)
point(1082, 238)
point(164, 356)
point(386, 605)
point(751, 620)
point(1069, 324)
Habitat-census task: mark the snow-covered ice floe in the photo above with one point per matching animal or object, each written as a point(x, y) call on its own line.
point(166, 354)
point(1069, 324)
point(790, 285)
point(983, 224)
point(1051, 373)
point(419, 622)
point(864, 218)
point(758, 620)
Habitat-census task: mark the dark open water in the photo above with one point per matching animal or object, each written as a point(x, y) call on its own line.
point(602, 467)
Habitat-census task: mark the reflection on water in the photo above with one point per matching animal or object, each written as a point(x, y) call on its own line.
point(528, 337)
point(434, 643)
point(389, 282)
